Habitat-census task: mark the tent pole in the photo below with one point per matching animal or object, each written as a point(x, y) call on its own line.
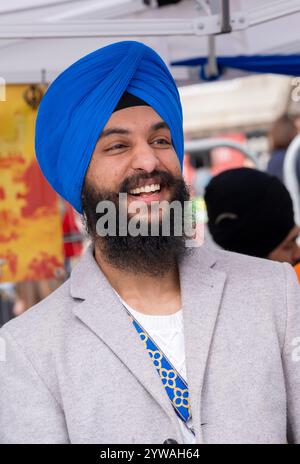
point(194, 146)
point(225, 15)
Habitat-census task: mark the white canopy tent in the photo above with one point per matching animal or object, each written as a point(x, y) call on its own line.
point(48, 35)
point(249, 102)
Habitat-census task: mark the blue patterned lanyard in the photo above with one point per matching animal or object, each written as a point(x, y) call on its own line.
point(175, 386)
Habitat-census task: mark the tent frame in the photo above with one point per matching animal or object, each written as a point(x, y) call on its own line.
point(201, 26)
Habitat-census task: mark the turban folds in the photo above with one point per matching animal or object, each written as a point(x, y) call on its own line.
point(80, 101)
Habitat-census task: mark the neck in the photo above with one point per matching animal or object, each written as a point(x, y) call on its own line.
point(145, 293)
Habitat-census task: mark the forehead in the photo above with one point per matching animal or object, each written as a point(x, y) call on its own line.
point(134, 117)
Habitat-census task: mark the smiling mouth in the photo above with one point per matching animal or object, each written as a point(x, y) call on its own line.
point(145, 190)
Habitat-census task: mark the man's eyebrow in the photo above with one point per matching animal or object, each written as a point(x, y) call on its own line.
point(114, 130)
point(159, 125)
point(122, 131)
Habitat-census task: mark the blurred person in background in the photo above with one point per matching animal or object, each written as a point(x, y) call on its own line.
point(251, 212)
point(296, 119)
point(283, 132)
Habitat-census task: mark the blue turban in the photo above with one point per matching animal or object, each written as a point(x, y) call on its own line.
point(80, 101)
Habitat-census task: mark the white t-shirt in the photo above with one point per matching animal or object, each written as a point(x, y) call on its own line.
point(167, 332)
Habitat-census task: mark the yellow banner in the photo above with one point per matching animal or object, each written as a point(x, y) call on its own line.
point(30, 226)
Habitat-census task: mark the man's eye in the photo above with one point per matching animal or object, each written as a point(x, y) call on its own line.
point(161, 142)
point(118, 146)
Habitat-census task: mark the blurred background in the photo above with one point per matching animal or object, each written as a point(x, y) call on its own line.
point(236, 63)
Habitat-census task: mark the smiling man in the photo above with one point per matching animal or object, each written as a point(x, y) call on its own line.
point(149, 341)
point(136, 147)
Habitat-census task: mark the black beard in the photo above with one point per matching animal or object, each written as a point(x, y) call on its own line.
point(146, 254)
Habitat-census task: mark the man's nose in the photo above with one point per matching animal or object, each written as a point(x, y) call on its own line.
point(144, 157)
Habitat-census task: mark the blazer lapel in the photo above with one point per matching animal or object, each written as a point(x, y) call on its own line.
point(201, 293)
point(104, 314)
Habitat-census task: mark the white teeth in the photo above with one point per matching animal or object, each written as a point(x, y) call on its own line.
point(145, 189)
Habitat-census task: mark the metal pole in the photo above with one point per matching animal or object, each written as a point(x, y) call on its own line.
point(225, 15)
point(194, 146)
point(211, 68)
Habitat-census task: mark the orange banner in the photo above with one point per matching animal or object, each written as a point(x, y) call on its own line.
point(30, 224)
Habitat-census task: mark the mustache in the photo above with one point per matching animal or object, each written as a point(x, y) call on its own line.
point(164, 178)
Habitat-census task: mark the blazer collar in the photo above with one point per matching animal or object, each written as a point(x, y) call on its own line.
point(102, 311)
point(86, 277)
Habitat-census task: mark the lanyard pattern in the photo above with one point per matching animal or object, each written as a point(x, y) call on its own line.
point(175, 386)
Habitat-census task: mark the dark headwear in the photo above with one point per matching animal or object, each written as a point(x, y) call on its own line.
point(249, 211)
point(127, 100)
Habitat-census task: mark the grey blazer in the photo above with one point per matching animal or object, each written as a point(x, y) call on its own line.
point(75, 370)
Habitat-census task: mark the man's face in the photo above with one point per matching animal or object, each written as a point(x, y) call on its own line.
point(134, 143)
point(288, 250)
point(135, 156)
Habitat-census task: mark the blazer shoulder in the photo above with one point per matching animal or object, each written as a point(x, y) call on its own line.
point(246, 265)
point(267, 284)
point(45, 317)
